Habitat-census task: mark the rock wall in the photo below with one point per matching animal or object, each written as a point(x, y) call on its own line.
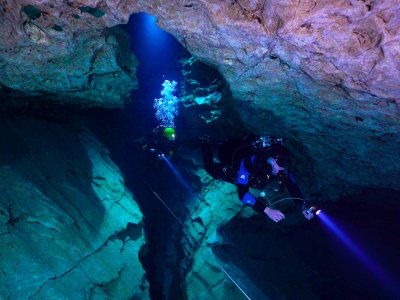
point(69, 228)
point(60, 52)
point(204, 279)
point(321, 73)
point(201, 92)
point(206, 106)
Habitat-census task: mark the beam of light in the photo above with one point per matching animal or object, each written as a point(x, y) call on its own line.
point(182, 181)
point(155, 35)
point(371, 265)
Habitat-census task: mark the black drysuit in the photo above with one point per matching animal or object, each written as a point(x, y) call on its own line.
point(249, 169)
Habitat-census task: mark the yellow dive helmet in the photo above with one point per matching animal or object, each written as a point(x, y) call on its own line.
point(169, 133)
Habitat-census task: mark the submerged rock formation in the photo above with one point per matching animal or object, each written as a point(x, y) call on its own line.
point(60, 52)
point(205, 103)
point(68, 225)
point(321, 73)
point(204, 276)
point(201, 91)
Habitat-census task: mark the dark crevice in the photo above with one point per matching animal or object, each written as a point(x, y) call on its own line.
point(32, 12)
point(98, 13)
point(57, 28)
point(133, 232)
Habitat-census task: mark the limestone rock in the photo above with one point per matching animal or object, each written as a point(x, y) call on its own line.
point(60, 52)
point(204, 277)
point(201, 95)
point(69, 228)
point(205, 103)
point(323, 74)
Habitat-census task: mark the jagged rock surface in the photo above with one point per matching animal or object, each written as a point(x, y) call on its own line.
point(207, 276)
point(201, 91)
point(321, 73)
point(204, 103)
point(69, 228)
point(204, 278)
point(60, 52)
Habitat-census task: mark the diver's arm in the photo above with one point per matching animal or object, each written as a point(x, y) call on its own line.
point(247, 198)
point(294, 191)
point(242, 183)
point(275, 167)
point(274, 214)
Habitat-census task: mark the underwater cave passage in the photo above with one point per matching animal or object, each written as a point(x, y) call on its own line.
point(141, 165)
point(158, 54)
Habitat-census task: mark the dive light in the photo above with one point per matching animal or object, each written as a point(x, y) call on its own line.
point(314, 210)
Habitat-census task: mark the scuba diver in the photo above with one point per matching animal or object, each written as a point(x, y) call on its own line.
point(161, 142)
point(254, 161)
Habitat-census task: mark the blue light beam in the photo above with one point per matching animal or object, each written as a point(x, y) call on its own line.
point(371, 265)
point(155, 35)
point(182, 181)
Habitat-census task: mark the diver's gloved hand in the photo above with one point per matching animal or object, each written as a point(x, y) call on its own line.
point(274, 214)
point(307, 214)
point(275, 167)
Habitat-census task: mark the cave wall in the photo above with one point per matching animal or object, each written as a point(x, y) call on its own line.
point(68, 225)
point(216, 206)
point(61, 52)
point(320, 73)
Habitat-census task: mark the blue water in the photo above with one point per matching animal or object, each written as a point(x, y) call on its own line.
point(158, 53)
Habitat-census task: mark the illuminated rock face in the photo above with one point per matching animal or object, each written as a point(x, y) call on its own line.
point(322, 73)
point(68, 225)
point(61, 53)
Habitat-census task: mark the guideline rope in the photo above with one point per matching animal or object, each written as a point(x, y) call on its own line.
point(198, 243)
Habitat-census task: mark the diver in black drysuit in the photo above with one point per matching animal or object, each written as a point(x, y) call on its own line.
point(246, 164)
point(161, 142)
